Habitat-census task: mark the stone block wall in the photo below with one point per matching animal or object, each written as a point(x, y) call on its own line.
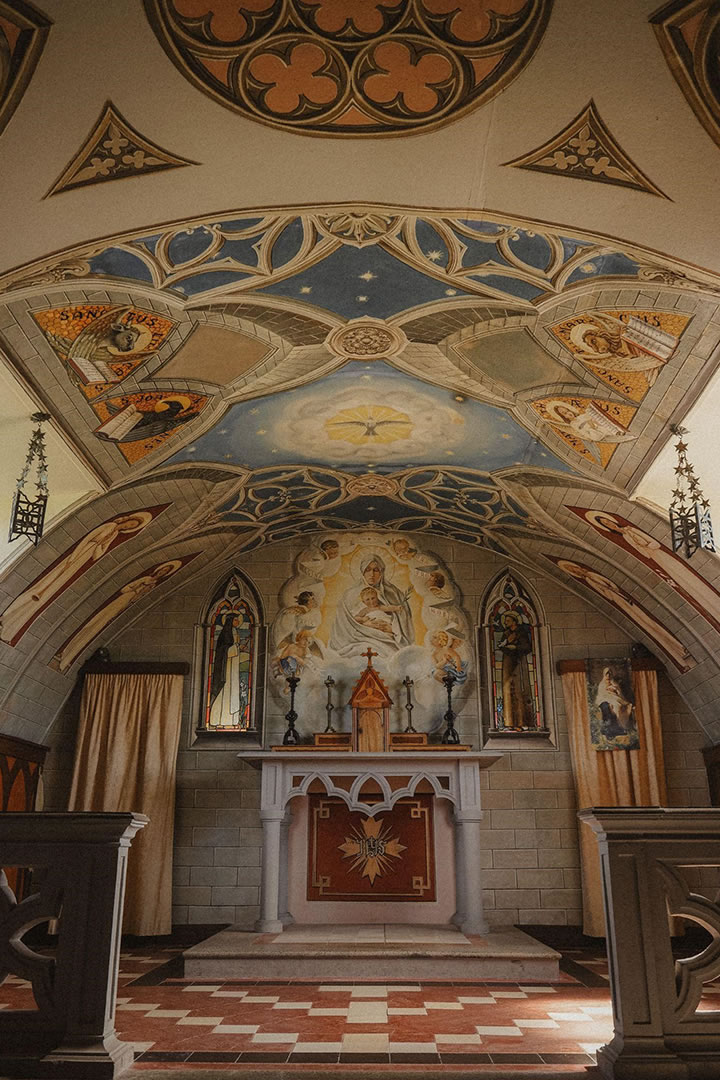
point(530, 849)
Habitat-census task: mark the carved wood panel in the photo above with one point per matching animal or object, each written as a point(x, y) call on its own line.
point(21, 765)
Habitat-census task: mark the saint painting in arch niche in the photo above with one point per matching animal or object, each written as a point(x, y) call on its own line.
point(511, 625)
point(231, 646)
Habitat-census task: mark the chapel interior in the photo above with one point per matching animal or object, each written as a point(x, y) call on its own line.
point(359, 602)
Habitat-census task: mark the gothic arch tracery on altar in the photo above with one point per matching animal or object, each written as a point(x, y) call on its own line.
point(515, 654)
point(230, 663)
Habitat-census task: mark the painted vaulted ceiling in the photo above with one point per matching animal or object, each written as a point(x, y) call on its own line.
point(327, 265)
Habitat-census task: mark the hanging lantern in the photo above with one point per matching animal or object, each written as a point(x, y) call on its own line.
point(690, 522)
point(28, 515)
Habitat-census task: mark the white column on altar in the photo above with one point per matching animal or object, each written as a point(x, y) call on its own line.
point(272, 825)
point(469, 913)
point(284, 915)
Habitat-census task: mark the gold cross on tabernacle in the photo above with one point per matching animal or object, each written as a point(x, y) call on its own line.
point(370, 653)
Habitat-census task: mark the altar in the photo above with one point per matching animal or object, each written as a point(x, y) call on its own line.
point(372, 854)
point(375, 936)
point(372, 786)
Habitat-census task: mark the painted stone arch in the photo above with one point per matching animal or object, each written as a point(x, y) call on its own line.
point(515, 652)
point(231, 660)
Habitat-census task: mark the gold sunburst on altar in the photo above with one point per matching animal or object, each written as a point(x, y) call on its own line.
point(371, 849)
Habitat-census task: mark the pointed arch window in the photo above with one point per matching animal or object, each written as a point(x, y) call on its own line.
point(229, 699)
point(515, 658)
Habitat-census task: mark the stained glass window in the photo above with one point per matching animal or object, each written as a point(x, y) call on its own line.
point(512, 625)
point(230, 662)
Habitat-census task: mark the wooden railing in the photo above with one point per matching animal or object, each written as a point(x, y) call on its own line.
point(79, 863)
point(650, 858)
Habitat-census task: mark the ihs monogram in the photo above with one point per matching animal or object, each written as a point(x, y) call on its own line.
point(371, 849)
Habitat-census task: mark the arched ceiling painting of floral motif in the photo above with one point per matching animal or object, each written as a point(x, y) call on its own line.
point(335, 67)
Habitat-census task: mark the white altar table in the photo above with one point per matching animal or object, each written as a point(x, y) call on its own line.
point(452, 774)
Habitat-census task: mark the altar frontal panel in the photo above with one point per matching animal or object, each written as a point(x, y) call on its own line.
point(389, 858)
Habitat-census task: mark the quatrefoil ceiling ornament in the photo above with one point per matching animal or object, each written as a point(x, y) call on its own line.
point(112, 151)
point(340, 67)
point(587, 150)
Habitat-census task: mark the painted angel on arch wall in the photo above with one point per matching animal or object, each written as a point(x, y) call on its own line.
point(512, 641)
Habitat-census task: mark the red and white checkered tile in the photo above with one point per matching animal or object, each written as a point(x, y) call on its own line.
point(180, 1021)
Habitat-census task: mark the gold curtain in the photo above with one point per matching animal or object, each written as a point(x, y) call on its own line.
point(611, 777)
point(125, 759)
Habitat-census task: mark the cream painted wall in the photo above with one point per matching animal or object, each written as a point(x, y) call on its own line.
point(604, 51)
point(529, 848)
point(69, 480)
point(703, 440)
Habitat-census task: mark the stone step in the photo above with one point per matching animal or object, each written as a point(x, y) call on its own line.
point(412, 953)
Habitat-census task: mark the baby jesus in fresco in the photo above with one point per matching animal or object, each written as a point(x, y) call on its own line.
point(374, 614)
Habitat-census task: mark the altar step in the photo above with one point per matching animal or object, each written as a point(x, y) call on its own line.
point(376, 952)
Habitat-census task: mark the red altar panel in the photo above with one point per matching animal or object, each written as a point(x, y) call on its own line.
point(390, 857)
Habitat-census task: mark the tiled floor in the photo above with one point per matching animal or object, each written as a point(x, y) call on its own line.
point(178, 1023)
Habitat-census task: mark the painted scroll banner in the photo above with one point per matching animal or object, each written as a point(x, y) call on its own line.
point(352, 856)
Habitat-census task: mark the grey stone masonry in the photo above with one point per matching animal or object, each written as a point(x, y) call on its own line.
point(530, 849)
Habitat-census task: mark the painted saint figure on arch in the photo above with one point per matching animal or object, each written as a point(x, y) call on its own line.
point(613, 594)
point(674, 571)
point(115, 606)
point(22, 612)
